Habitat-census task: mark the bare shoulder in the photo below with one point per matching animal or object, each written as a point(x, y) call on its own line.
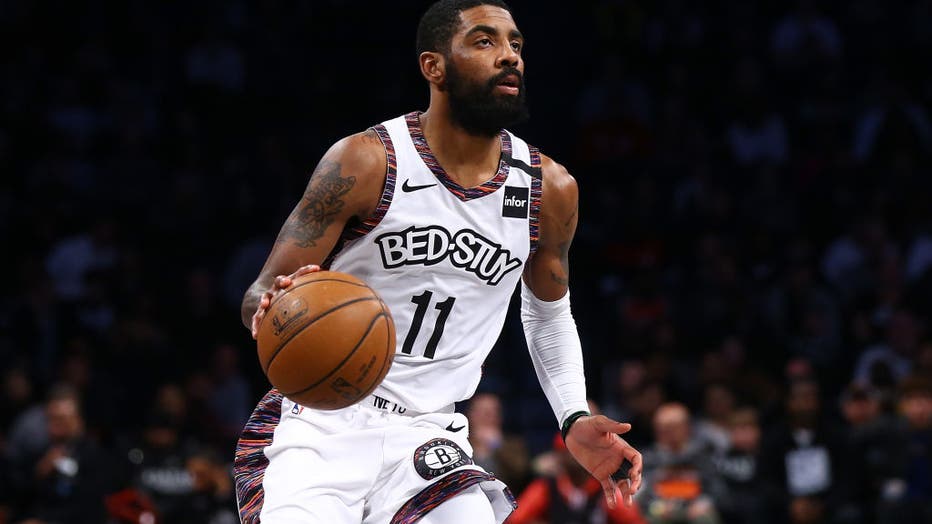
point(360, 155)
point(351, 173)
point(560, 190)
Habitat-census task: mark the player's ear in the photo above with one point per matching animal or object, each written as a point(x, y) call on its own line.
point(433, 67)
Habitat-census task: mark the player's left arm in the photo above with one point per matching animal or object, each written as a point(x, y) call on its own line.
point(554, 341)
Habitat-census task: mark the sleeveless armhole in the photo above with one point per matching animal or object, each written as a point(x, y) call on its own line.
point(388, 191)
point(536, 191)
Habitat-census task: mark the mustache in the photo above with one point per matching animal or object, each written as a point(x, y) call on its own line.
point(508, 71)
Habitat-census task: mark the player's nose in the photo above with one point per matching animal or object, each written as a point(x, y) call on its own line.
point(509, 57)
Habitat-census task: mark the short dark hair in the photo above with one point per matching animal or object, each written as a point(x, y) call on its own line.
point(442, 19)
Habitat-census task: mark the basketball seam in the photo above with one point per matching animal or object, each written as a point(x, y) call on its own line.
point(310, 321)
point(345, 359)
point(389, 355)
point(302, 284)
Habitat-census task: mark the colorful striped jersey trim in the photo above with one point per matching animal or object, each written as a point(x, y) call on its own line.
point(250, 461)
point(388, 192)
point(440, 491)
point(490, 186)
point(536, 192)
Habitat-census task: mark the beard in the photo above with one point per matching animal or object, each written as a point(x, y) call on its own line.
point(475, 107)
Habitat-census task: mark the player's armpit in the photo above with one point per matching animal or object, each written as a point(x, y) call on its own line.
point(345, 186)
point(547, 273)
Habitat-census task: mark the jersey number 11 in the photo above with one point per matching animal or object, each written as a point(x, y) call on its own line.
point(423, 302)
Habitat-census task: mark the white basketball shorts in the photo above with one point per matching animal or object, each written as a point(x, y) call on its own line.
point(371, 463)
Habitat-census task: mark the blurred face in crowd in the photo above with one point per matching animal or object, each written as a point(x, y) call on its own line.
point(803, 402)
point(648, 399)
point(860, 408)
point(161, 436)
point(718, 402)
point(744, 431)
point(671, 426)
point(64, 420)
point(916, 407)
point(16, 387)
point(485, 410)
point(924, 359)
point(631, 376)
point(171, 400)
point(201, 471)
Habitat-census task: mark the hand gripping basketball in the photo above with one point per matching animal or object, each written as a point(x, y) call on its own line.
point(279, 285)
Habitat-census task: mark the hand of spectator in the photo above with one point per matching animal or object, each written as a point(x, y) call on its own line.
point(595, 444)
point(279, 285)
point(46, 464)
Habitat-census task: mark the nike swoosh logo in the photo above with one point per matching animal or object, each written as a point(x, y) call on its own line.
point(454, 430)
point(408, 188)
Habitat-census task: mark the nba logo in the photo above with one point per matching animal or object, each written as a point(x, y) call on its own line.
point(297, 409)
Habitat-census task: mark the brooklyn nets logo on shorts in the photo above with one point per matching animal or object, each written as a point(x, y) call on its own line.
point(439, 456)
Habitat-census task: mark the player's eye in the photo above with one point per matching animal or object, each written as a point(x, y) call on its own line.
point(485, 42)
point(516, 46)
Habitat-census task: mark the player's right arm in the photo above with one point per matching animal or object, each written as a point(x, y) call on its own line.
point(345, 186)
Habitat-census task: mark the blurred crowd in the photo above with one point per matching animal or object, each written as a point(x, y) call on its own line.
point(751, 275)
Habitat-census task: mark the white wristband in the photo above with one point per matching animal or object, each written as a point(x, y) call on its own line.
point(555, 351)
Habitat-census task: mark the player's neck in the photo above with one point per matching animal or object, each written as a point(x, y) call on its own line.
point(468, 159)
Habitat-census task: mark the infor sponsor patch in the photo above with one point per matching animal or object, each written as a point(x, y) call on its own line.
point(439, 456)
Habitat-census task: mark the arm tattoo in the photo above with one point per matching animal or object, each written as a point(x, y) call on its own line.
point(318, 208)
point(563, 279)
point(559, 279)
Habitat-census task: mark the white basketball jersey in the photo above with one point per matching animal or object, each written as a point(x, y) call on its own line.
point(445, 259)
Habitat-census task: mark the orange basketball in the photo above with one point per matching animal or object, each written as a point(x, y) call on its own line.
point(327, 341)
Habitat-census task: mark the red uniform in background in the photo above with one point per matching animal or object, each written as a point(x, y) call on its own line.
point(571, 496)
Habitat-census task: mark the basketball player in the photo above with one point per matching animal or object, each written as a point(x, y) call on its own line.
point(442, 213)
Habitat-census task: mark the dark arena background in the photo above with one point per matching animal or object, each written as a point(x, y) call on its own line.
point(751, 274)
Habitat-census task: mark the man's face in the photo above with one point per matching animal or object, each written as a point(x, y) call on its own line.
point(917, 409)
point(803, 401)
point(64, 420)
point(745, 437)
point(485, 72)
point(485, 410)
point(671, 427)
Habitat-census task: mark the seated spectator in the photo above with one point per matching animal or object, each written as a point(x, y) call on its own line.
point(757, 133)
point(805, 34)
point(804, 459)
point(493, 449)
point(739, 468)
point(907, 499)
point(860, 406)
point(718, 405)
point(893, 123)
point(883, 364)
point(680, 484)
point(212, 500)
point(67, 482)
point(569, 495)
point(229, 399)
point(847, 260)
point(157, 468)
point(636, 404)
point(877, 444)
